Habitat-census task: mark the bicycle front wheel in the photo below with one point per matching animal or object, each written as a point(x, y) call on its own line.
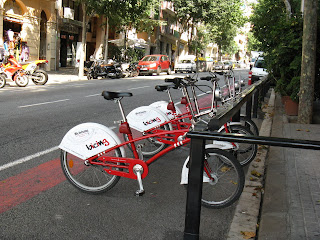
point(86, 177)
point(244, 152)
point(247, 122)
point(151, 145)
point(223, 180)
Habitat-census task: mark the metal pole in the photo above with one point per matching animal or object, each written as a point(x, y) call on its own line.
point(255, 104)
point(249, 108)
point(194, 194)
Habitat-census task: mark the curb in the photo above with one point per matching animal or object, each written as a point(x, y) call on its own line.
point(245, 220)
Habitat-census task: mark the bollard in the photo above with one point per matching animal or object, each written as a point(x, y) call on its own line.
point(250, 78)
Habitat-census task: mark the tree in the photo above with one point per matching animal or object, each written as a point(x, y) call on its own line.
point(308, 62)
point(85, 11)
point(120, 14)
point(281, 41)
point(221, 17)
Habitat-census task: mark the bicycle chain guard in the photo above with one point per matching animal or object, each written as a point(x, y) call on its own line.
point(123, 167)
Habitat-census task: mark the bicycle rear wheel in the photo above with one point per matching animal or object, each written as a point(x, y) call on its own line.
point(225, 182)
point(87, 177)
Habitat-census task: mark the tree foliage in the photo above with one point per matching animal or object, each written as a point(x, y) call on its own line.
point(222, 18)
point(281, 41)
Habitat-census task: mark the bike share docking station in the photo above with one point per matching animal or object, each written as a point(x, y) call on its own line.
point(202, 132)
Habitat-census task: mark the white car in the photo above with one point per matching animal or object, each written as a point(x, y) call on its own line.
point(258, 69)
point(186, 65)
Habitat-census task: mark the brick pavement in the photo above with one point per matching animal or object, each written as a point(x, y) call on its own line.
point(291, 203)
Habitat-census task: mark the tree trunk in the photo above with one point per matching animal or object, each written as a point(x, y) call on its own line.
point(83, 40)
point(106, 49)
point(306, 94)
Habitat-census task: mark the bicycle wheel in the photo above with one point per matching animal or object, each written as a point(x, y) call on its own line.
point(247, 122)
point(226, 181)
point(244, 152)
point(150, 146)
point(85, 177)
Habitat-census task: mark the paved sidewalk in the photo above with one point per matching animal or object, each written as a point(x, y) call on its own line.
point(64, 75)
point(291, 203)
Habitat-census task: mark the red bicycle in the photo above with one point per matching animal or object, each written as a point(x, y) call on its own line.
point(244, 152)
point(93, 158)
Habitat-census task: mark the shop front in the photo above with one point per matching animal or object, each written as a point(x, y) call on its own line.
point(69, 38)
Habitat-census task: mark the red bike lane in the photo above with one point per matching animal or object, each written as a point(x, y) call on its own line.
point(24, 186)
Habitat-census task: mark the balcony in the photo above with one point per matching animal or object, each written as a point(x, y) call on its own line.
point(168, 8)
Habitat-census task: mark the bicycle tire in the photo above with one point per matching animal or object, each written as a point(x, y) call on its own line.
point(150, 146)
point(249, 123)
point(87, 178)
point(244, 152)
point(227, 179)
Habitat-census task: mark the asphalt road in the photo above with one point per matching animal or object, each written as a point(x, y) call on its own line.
point(37, 203)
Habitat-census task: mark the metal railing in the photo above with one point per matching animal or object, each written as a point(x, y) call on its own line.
point(250, 97)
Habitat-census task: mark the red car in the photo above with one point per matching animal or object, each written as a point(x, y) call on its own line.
point(154, 64)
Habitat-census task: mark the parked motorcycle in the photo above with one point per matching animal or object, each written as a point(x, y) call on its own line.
point(114, 70)
point(21, 73)
point(10, 68)
point(130, 69)
point(38, 76)
point(3, 80)
point(100, 69)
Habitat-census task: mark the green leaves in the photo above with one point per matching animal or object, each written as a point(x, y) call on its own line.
point(281, 41)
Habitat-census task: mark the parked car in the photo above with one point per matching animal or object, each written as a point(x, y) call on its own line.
point(186, 64)
point(258, 69)
point(241, 64)
point(154, 64)
point(219, 66)
point(227, 65)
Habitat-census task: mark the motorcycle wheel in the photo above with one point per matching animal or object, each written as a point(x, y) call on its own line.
point(21, 79)
point(135, 73)
point(2, 81)
point(41, 77)
point(89, 76)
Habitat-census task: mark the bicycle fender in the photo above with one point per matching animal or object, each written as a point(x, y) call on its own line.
point(162, 106)
point(89, 139)
point(145, 118)
point(231, 124)
point(185, 173)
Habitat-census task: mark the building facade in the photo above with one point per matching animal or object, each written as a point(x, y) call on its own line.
point(28, 29)
point(52, 30)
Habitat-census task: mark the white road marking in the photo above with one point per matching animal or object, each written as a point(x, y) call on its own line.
point(137, 88)
point(37, 104)
point(33, 156)
point(93, 95)
point(28, 158)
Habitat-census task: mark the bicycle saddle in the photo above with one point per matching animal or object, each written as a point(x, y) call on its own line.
point(113, 95)
point(209, 78)
point(161, 88)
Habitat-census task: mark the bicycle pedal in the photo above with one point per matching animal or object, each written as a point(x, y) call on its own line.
point(139, 193)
